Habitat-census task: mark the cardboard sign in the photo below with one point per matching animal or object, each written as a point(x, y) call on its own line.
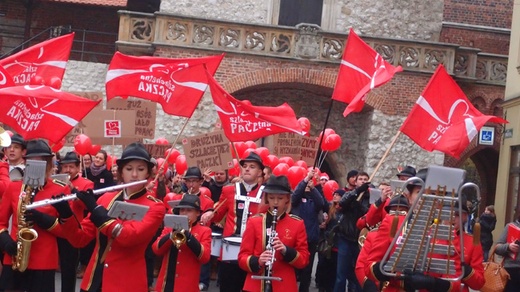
point(208, 151)
point(145, 113)
point(112, 129)
point(157, 151)
point(309, 149)
point(287, 144)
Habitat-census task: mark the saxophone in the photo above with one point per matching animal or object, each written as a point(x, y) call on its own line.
point(26, 234)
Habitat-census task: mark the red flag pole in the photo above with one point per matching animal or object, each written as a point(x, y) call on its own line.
point(171, 149)
point(323, 132)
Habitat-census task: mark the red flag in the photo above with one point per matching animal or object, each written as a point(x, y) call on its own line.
point(177, 84)
point(5, 78)
point(42, 111)
point(361, 70)
point(242, 121)
point(41, 64)
point(443, 118)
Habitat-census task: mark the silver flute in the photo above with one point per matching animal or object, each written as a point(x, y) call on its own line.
point(74, 196)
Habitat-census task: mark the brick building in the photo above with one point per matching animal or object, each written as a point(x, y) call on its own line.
point(269, 61)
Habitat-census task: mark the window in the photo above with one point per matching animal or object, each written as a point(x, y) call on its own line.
point(293, 12)
point(514, 183)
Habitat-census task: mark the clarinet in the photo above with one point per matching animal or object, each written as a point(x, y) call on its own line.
point(268, 285)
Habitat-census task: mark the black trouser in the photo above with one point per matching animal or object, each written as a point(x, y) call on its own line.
point(30, 280)
point(69, 258)
point(86, 252)
point(514, 282)
point(232, 277)
point(306, 273)
point(326, 271)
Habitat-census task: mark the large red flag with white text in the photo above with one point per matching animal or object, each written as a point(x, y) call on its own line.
point(242, 121)
point(42, 111)
point(176, 84)
point(5, 78)
point(443, 118)
point(361, 70)
point(41, 64)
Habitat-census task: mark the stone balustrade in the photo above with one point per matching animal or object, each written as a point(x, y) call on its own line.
point(139, 32)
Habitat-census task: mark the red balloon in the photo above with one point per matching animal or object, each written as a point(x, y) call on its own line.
point(263, 152)
point(329, 188)
point(162, 162)
point(205, 192)
point(82, 144)
point(55, 82)
point(167, 198)
point(173, 156)
point(281, 169)
point(305, 124)
point(328, 132)
point(180, 164)
point(250, 144)
point(235, 171)
point(162, 141)
point(240, 148)
point(271, 161)
point(57, 147)
point(246, 153)
point(295, 174)
point(110, 161)
point(94, 149)
point(301, 163)
point(288, 160)
point(331, 143)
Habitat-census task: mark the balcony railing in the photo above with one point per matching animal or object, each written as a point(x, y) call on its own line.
point(140, 31)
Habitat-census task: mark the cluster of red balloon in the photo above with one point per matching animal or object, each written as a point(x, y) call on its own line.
point(83, 146)
point(331, 140)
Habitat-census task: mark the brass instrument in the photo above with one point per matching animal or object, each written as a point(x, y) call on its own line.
point(268, 278)
point(26, 234)
point(178, 238)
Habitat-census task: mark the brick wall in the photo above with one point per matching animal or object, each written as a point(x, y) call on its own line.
point(489, 42)
point(494, 13)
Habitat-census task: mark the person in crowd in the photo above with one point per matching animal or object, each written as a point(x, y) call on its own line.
point(267, 173)
point(15, 153)
point(487, 220)
point(87, 161)
point(327, 266)
point(509, 249)
point(113, 170)
point(118, 261)
point(69, 255)
point(178, 186)
point(351, 180)
point(237, 205)
point(307, 202)
point(406, 173)
point(98, 172)
point(193, 180)
point(42, 261)
point(181, 265)
point(324, 178)
point(354, 204)
point(286, 241)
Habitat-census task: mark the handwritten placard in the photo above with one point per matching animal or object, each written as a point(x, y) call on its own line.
point(287, 144)
point(209, 150)
point(145, 114)
point(157, 151)
point(309, 149)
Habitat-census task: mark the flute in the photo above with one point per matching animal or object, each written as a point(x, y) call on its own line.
point(74, 196)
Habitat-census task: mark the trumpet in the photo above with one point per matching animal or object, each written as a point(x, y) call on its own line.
point(74, 196)
point(178, 238)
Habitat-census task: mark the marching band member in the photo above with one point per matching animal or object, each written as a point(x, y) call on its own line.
point(472, 269)
point(42, 261)
point(289, 243)
point(237, 203)
point(15, 153)
point(181, 265)
point(118, 262)
point(193, 180)
point(69, 255)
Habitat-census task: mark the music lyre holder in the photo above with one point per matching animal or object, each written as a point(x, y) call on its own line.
point(424, 243)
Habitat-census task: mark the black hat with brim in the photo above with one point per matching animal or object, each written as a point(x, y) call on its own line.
point(193, 172)
point(70, 157)
point(397, 201)
point(134, 151)
point(277, 185)
point(253, 157)
point(38, 148)
point(409, 171)
point(188, 202)
point(18, 139)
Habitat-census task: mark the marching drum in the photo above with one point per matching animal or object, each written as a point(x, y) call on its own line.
point(230, 248)
point(216, 244)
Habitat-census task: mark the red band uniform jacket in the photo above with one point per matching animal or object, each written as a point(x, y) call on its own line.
point(124, 268)
point(81, 184)
point(180, 269)
point(44, 250)
point(291, 231)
